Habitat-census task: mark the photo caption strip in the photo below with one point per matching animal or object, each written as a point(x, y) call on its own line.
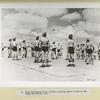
point(52, 91)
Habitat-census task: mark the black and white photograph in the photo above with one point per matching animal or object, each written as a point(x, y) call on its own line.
point(50, 44)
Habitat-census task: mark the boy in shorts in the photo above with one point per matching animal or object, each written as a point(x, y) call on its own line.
point(10, 47)
point(14, 43)
point(37, 49)
point(53, 50)
point(24, 46)
point(59, 50)
point(45, 48)
point(71, 49)
point(89, 52)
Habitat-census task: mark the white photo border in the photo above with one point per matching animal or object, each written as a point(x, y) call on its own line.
point(47, 5)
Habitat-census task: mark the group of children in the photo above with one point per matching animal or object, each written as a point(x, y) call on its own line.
point(85, 51)
point(42, 50)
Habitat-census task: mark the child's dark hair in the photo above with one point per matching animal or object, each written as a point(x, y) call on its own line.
point(23, 41)
point(44, 34)
point(37, 38)
point(10, 39)
point(70, 36)
point(78, 45)
point(53, 42)
point(14, 39)
point(88, 40)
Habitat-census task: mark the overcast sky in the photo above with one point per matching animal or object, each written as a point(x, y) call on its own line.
point(58, 22)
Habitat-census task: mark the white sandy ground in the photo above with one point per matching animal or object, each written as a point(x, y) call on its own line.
point(27, 70)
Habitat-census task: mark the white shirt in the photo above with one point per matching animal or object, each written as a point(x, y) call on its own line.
point(14, 43)
point(37, 43)
point(59, 47)
point(88, 45)
point(70, 43)
point(23, 44)
point(53, 45)
point(44, 41)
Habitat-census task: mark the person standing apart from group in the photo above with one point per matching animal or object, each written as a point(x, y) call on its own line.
point(71, 50)
point(45, 48)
